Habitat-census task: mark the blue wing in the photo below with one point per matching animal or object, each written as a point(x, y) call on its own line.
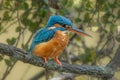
point(42, 35)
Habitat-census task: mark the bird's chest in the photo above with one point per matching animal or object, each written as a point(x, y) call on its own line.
point(53, 47)
point(60, 39)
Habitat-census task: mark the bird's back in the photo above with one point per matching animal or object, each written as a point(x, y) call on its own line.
point(42, 35)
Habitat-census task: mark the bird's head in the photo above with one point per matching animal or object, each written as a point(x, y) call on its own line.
point(62, 22)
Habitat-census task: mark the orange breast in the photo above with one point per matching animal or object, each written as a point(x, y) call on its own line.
point(53, 47)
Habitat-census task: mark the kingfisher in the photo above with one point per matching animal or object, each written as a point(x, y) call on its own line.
point(50, 41)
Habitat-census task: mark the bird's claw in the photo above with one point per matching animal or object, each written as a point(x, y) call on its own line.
point(57, 61)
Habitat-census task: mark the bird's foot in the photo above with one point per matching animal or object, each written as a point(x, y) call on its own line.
point(57, 61)
point(44, 59)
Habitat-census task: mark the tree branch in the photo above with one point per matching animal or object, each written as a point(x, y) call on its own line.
point(97, 71)
point(115, 62)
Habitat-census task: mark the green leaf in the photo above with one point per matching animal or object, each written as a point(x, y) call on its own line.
point(11, 41)
point(1, 58)
point(88, 5)
point(87, 50)
point(18, 29)
point(8, 62)
point(105, 19)
point(20, 1)
point(69, 3)
point(1, 28)
point(101, 2)
point(25, 21)
point(84, 58)
point(21, 4)
point(118, 13)
point(93, 54)
point(7, 3)
point(87, 17)
point(6, 16)
point(25, 6)
point(88, 56)
point(32, 26)
point(118, 38)
point(77, 20)
point(78, 38)
point(63, 11)
point(104, 30)
point(43, 12)
point(112, 28)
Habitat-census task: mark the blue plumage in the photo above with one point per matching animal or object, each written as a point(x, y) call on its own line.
point(41, 35)
point(47, 33)
point(59, 20)
point(59, 39)
point(44, 35)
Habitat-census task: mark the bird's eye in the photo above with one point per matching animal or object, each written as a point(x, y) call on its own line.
point(67, 26)
point(64, 25)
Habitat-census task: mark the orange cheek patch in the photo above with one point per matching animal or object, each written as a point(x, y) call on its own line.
point(57, 25)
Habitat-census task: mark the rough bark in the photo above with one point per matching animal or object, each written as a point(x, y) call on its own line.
point(104, 72)
point(115, 62)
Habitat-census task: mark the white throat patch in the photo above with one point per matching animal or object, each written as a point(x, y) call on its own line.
point(64, 32)
point(53, 27)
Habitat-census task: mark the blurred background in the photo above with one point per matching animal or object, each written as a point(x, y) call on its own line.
point(19, 20)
